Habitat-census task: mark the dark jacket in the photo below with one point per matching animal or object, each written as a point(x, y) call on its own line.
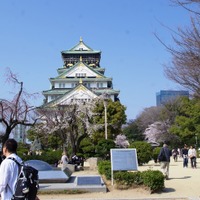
point(164, 155)
point(185, 151)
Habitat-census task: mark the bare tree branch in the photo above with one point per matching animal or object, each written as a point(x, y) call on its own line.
point(17, 111)
point(186, 3)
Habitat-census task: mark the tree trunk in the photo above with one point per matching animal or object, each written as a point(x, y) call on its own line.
point(6, 135)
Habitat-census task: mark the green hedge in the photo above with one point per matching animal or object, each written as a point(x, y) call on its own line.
point(155, 154)
point(50, 156)
point(144, 151)
point(104, 168)
point(152, 179)
point(128, 178)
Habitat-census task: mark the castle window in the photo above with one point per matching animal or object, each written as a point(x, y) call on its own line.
point(61, 85)
point(99, 85)
point(80, 75)
point(73, 85)
point(87, 85)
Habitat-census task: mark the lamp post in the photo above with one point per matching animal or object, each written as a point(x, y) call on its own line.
point(105, 103)
point(196, 140)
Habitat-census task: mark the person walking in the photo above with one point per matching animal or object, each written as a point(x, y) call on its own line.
point(64, 160)
point(185, 156)
point(9, 170)
point(164, 159)
point(1, 157)
point(175, 154)
point(192, 154)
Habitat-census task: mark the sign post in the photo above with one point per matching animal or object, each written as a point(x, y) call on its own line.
point(123, 159)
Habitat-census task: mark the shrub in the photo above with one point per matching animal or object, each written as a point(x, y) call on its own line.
point(22, 149)
point(128, 178)
point(144, 151)
point(104, 168)
point(155, 154)
point(103, 148)
point(153, 179)
point(87, 148)
point(50, 156)
point(137, 176)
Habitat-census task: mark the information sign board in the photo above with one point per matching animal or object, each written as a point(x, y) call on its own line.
point(124, 159)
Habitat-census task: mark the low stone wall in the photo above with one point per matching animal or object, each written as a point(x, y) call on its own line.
point(91, 163)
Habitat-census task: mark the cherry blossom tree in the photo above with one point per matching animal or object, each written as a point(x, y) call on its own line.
point(77, 120)
point(16, 111)
point(71, 123)
point(121, 141)
point(158, 133)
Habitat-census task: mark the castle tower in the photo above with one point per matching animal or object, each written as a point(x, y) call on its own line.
point(80, 79)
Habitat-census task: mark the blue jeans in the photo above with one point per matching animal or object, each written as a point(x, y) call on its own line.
point(193, 162)
point(185, 162)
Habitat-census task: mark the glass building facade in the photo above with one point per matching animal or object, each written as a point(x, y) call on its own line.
point(165, 96)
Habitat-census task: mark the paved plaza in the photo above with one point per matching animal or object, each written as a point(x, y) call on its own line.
point(183, 184)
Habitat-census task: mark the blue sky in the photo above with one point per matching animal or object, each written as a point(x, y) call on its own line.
point(34, 32)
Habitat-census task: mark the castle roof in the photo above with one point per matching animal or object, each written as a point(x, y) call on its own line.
point(81, 47)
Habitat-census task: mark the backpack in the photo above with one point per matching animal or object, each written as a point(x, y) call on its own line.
point(27, 182)
point(162, 155)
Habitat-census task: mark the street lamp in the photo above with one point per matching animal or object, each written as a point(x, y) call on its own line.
point(196, 140)
point(105, 103)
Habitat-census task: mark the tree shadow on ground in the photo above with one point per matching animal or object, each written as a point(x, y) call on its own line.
point(184, 177)
point(167, 190)
point(157, 165)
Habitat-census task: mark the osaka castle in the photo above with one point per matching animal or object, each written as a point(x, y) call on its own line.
point(80, 79)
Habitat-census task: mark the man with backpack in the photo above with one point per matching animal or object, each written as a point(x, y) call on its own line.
point(9, 170)
point(164, 159)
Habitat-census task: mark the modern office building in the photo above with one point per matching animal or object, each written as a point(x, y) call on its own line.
point(165, 96)
point(19, 133)
point(80, 79)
